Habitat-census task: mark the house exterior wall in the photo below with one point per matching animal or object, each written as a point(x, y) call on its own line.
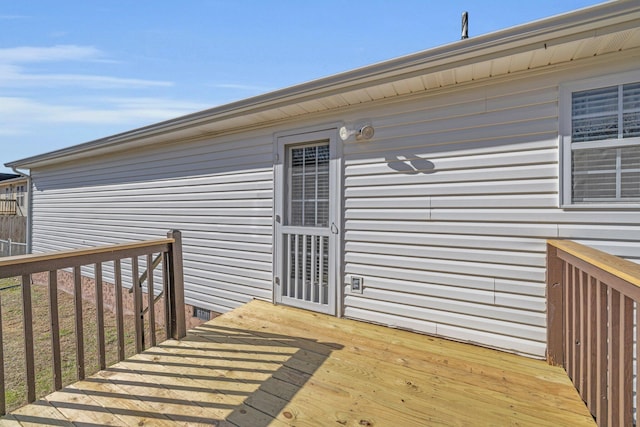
point(218, 194)
point(446, 210)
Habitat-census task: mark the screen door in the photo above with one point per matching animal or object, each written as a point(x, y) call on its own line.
point(306, 226)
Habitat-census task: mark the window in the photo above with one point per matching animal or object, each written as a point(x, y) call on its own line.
point(602, 143)
point(309, 186)
point(20, 195)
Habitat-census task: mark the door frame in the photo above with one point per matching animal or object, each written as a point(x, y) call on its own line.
point(281, 141)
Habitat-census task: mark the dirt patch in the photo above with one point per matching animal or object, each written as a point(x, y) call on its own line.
point(12, 329)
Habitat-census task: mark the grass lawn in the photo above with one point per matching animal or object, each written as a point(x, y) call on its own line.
point(12, 329)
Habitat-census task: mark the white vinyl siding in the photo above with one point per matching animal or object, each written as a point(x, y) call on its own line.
point(219, 194)
point(448, 210)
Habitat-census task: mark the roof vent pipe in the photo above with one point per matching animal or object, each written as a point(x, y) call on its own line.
point(465, 25)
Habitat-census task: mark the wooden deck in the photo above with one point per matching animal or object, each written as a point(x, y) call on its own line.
point(264, 365)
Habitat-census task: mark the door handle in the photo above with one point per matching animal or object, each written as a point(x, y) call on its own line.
point(334, 228)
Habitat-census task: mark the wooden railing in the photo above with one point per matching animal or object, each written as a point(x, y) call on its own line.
point(591, 298)
point(8, 207)
point(169, 256)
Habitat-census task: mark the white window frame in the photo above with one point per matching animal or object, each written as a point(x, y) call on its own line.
point(20, 195)
point(565, 129)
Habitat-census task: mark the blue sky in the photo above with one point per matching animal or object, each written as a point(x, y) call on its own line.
point(74, 71)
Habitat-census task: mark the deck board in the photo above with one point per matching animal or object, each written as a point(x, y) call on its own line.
point(264, 365)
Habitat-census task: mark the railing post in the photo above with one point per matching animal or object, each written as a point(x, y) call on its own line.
point(555, 305)
point(176, 286)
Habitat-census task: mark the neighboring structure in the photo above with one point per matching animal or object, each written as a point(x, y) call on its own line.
point(416, 193)
point(14, 199)
point(14, 211)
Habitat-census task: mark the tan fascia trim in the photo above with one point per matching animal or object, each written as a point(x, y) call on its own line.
point(16, 180)
point(581, 24)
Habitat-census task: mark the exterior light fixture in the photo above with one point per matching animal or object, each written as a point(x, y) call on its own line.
point(363, 132)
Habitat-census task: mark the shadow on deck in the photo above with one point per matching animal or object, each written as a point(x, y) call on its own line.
point(263, 365)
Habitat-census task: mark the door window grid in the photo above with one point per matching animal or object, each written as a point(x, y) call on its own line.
point(308, 266)
point(309, 186)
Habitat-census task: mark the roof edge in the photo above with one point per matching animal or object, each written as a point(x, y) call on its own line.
point(586, 19)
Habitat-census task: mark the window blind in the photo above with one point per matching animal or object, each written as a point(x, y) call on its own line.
point(309, 186)
point(605, 173)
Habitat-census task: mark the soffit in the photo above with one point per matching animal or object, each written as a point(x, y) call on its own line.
point(543, 56)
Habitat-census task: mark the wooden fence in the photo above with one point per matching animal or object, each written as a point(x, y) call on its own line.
point(13, 227)
point(591, 299)
point(169, 257)
point(8, 207)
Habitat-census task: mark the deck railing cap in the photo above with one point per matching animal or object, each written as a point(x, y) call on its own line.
point(619, 267)
point(24, 259)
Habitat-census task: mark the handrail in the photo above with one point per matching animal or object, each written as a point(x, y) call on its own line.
point(619, 267)
point(591, 300)
point(72, 261)
point(35, 263)
point(72, 257)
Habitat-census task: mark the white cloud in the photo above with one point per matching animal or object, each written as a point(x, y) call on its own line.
point(12, 17)
point(40, 103)
point(12, 131)
point(14, 75)
point(19, 115)
point(151, 103)
point(238, 86)
point(26, 54)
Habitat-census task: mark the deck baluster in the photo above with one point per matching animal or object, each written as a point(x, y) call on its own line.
point(602, 404)
point(592, 313)
point(56, 359)
point(583, 344)
point(626, 360)
point(637, 357)
point(27, 314)
point(600, 293)
point(119, 311)
point(151, 301)
point(77, 298)
point(3, 406)
point(167, 295)
point(100, 316)
point(137, 305)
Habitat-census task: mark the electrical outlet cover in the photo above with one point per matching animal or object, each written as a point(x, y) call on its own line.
point(356, 284)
